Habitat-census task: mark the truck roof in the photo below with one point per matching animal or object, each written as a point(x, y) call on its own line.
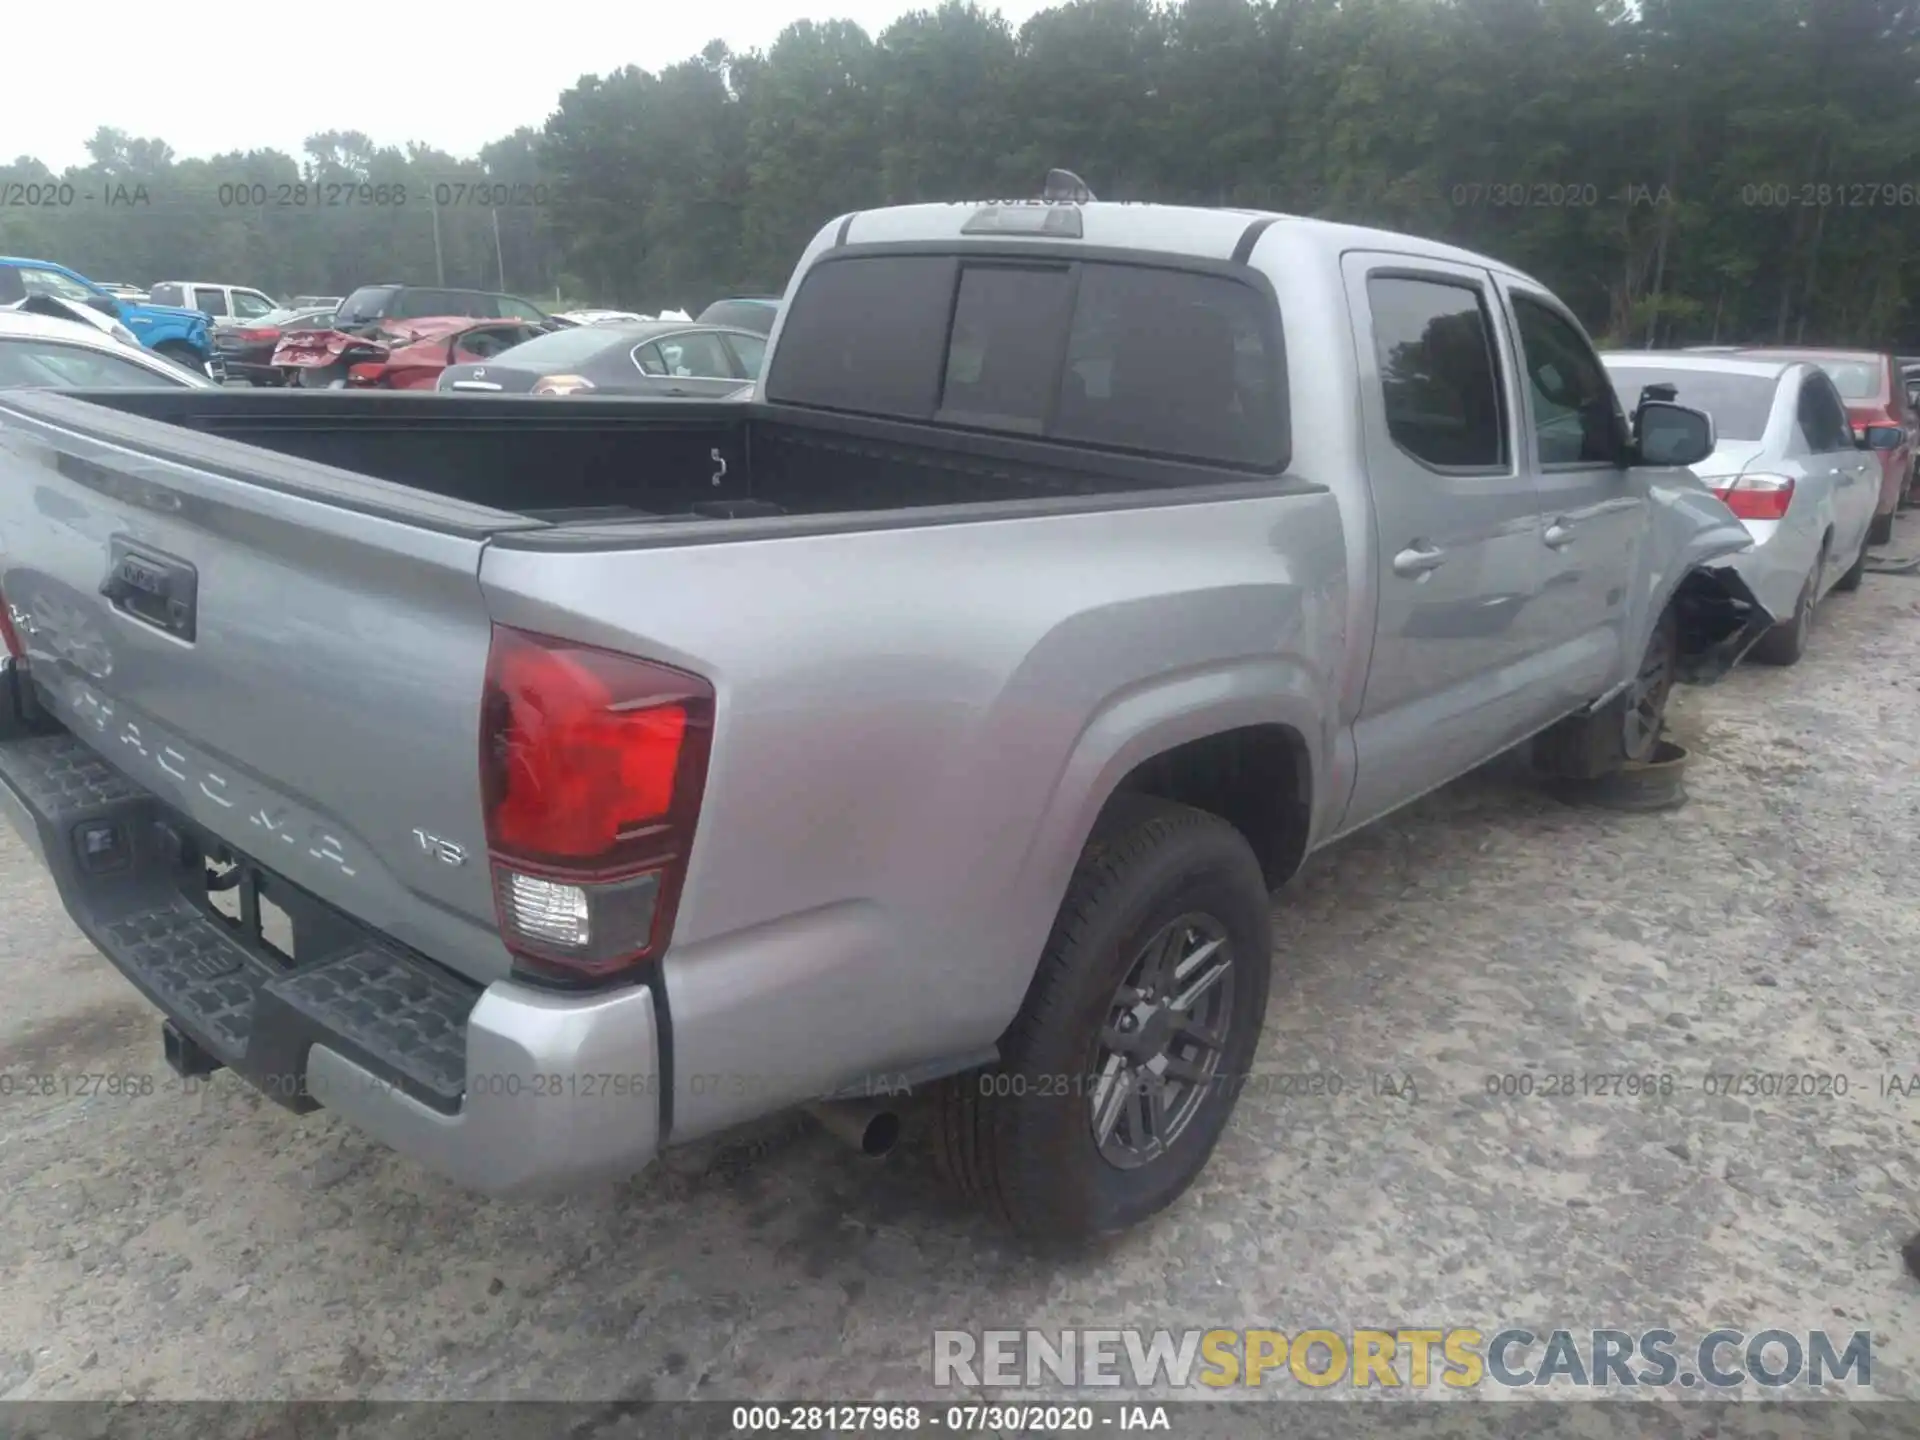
point(1199, 232)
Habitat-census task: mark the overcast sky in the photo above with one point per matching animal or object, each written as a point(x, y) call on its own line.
point(389, 70)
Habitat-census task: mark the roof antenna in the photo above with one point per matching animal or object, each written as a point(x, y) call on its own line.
point(1063, 187)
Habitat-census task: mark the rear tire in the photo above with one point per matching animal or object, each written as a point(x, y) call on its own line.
point(1626, 730)
point(1786, 642)
point(1881, 531)
point(1856, 572)
point(182, 355)
point(1164, 898)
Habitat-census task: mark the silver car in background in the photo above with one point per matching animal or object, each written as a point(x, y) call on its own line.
point(1786, 462)
point(42, 351)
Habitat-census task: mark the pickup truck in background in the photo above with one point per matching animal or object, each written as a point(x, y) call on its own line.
point(540, 785)
point(184, 336)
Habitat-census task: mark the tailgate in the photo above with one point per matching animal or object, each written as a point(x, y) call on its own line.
point(290, 654)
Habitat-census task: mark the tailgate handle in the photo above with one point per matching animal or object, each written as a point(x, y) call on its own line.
point(152, 587)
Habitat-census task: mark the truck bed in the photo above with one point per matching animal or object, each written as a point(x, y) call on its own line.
point(275, 611)
point(619, 460)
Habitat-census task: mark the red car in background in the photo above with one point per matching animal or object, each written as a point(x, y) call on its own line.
point(247, 350)
point(395, 354)
point(1882, 415)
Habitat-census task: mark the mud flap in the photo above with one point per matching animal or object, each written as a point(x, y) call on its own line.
point(21, 713)
point(1720, 620)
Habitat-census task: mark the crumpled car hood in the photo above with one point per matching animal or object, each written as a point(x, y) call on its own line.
point(1690, 530)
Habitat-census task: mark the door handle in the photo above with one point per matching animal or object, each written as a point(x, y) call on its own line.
point(1417, 560)
point(1558, 534)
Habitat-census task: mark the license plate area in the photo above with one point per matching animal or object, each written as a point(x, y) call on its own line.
point(237, 892)
point(273, 918)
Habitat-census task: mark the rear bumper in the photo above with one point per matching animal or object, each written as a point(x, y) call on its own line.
point(1777, 566)
point(507, 1089)
point(254, 370)
point(1894, 473)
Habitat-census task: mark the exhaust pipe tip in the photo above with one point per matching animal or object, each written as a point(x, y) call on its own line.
point(872, 1129)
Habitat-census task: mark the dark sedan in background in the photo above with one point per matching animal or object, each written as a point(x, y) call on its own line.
point(248, 349)
point(747, 312)
point(659, 357)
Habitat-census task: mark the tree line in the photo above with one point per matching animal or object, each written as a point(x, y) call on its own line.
point(1681, 171)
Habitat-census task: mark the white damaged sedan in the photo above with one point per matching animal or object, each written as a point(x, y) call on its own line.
point(1786, 462)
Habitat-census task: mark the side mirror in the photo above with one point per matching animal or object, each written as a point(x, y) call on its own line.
point(1881, 437)
point(1670, 434)
point(105, 304)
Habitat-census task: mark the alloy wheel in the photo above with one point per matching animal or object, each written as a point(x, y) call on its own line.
point(1160, 1049)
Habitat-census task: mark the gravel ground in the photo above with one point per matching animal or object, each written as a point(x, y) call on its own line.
point(212, 1245)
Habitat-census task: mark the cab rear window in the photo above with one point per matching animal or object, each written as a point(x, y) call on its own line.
point(1183, 364)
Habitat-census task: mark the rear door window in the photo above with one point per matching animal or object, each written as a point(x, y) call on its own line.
point(249, 306)
point(696, 354)
point(1823, 419)
point(749, 351)
point(209, 300)
point(1170, 362)
point(1439, 373)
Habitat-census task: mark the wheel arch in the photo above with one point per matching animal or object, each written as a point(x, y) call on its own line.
point(1189, 738)
point(1258, 778)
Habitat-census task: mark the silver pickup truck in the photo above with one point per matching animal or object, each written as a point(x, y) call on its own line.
point(538, 783)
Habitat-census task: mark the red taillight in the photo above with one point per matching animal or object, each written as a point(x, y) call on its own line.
point(366, 374)
point(1758, 497)
point(592, 767)
point(254, 335)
